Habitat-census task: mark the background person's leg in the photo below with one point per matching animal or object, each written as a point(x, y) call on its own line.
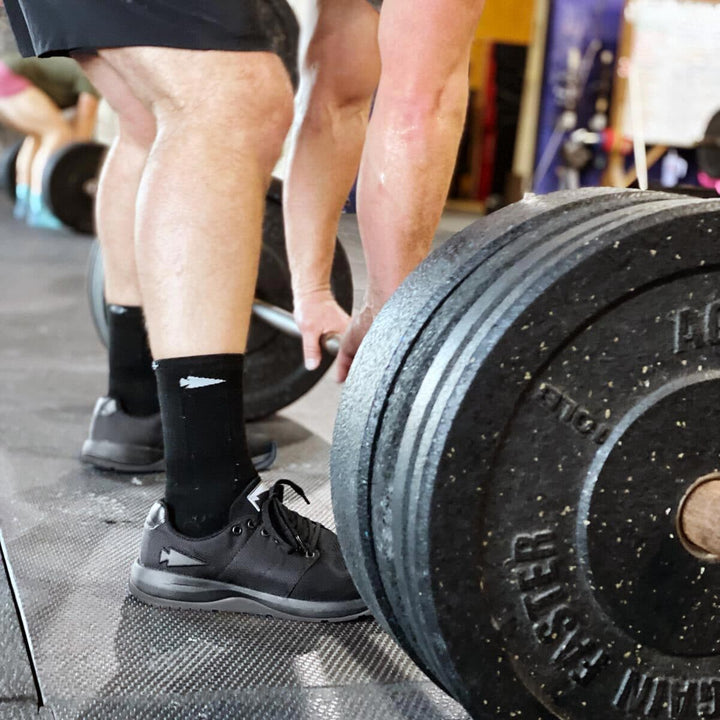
point(412, 141)
point(32, 112)
point(23, 173)
point(120, 179)
point(339, 73)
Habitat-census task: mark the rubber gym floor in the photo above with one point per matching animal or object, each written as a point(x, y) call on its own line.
point(71, 533)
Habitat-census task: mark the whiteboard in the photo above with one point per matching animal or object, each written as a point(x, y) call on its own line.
point(675, 53)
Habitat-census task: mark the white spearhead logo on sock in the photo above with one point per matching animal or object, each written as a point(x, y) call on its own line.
point(191, 382)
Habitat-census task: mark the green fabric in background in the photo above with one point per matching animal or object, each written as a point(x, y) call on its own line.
point(59, 77)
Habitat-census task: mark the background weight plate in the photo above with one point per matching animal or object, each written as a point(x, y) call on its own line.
point(70, 184)
point(708, 153)
point(575, 288)
point(8, 158)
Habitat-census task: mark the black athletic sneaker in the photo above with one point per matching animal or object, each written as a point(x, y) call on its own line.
point(269, 560)
point(126, 443)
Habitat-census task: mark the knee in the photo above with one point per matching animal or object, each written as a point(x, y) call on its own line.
point(56, 134)
point(271, 125)
point(248, 108)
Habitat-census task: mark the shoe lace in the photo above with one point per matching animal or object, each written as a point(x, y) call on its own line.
point(292, 530)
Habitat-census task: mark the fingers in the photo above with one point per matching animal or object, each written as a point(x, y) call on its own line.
point(311, 350)
point(348, 349)
point(359, 326)
point(318, 320)
point(342, 366)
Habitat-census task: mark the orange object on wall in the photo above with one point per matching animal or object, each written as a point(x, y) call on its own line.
point(507, 21)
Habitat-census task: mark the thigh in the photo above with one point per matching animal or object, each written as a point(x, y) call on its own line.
point(185, 81)
point(134, 116)
point(74, 25)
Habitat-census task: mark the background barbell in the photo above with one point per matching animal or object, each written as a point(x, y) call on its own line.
point(275, 374)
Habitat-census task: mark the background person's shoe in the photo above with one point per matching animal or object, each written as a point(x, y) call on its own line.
point(39, 215)
point(128, 443)
point(270, 561)
point(22, 202)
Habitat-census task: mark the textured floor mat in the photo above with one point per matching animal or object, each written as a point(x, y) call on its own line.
point(72, 533)
point(18, 695)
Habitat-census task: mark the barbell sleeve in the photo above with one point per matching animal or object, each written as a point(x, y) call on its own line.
point(698, 517)
point(284, 321)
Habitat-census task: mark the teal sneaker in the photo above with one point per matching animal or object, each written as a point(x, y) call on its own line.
point(22, 202)
point(39, 215)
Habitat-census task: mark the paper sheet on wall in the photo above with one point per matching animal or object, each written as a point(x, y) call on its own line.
point(676, 54)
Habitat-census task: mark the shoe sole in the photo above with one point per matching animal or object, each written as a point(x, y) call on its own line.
point(165, 589)
point(122, 457)
point(125, 458)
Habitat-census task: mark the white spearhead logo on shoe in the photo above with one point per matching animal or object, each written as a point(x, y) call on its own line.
point(252, 498)
point(191, 382)
point(173, 558)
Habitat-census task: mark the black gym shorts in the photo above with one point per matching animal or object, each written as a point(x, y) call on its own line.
point(57, 27)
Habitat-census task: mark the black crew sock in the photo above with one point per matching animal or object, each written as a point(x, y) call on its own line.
point(206, 456)
point(132, 380)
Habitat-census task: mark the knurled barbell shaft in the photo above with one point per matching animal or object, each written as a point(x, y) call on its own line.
point(698, 516)
point(284, 321)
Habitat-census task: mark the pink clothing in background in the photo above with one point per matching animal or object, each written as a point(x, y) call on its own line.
point(10, 83)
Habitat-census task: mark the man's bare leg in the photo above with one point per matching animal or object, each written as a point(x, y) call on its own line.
point(339, 73)
point(198, 230)
point(126, 433)
point(198, 225)
point(412, 142)
point(119, 183)
point(221, 120)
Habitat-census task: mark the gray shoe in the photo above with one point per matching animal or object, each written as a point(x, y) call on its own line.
point(266, 561)
point(126, 443)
